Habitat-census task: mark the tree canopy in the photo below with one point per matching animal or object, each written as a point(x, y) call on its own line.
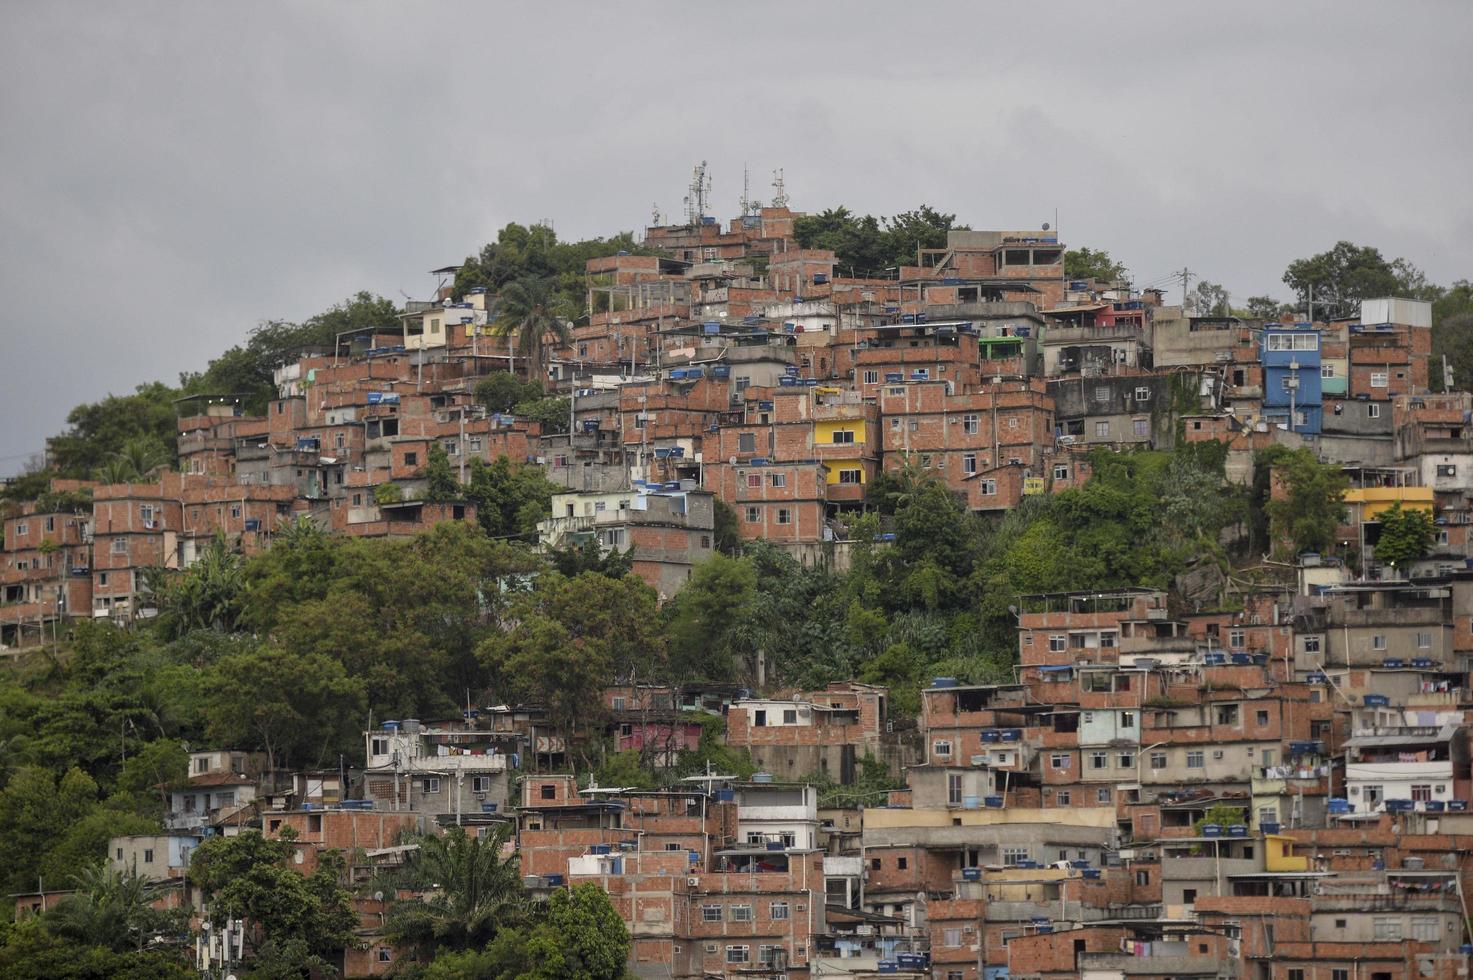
point(866, 245)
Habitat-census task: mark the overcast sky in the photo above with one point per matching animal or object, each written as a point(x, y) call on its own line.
point(173, 173)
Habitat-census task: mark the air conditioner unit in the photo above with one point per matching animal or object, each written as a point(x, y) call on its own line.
point(693, 881)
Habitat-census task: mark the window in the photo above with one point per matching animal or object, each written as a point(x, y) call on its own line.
point(480, 784)
point(549, 791)
point(790, 716)
point(1103, 795)
point(777, 479)
point(379, 746)
point(746, 442)
point(385, 954)
point(871, 377)
point(969, 462)
point(1062, 797)
point(1061, 472)
point(925, 461)
point(1327, 370)
point(1261, 717)
point(1379, 379)
point(22, 529)
point(1339, 975)
point(430, 785)
point(1311, 644)
point(1126, 760)
point(1195, 760)
point(951, 938)
point(741, 913)
point(1014, 855)
point(1227, 714)
point(988, 488)
point(895, 425)
point(1424, 641)
point(1059, 760)
point(1098, 760)
point(1424, 928)
point(941, 748)
point(1158, 760)
point(738, 954)
point(1373, 411)
point(1143, 394)
point(874, 864)
point(842, 437)
point(1378, 641)
point(777, 910)
point(1127, 718)
point(1293, 341)
point(784, 516)
point(1141, 427)
point(754, 515)
point(1012, 423)
point(1102, 393)
point(1235, 639)
point(1386, 928)
point(1102, 429)
point(851, 476)
point(102, 578)
point(148, 855)
point(120, 546)
point(411, 459)
point(969, 424)
point(1421, 792)
point(754, 481)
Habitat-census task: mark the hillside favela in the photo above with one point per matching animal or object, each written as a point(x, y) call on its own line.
point(776, 594)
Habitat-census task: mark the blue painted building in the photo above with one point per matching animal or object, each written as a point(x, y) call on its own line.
point(1290, 354)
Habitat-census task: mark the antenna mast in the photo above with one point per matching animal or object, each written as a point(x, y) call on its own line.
point(700, 192)
point(779, 192)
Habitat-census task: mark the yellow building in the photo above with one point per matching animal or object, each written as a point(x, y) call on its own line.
point(1367, 503)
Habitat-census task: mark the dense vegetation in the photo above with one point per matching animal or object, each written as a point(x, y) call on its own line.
point(868, 246)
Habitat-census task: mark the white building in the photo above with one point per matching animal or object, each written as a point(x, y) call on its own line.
point(785, 813)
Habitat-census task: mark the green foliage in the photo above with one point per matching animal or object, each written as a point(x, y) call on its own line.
point(529, 311)
point(305, 920)
point(32, 951)
point(726, 529)
point(1089, 263)
point(388, 493)
point(708, 621)
point(1263, 308)
point(867, 246)
point(1222, 815)
point(442, 485)
point(1211, 299)
point(521, 253)
point(552, 413)
point(571, 637)
point(245, 370)
point(580, 937)
point(871, 785)
point(34, 805)
point(125, 436)
point(1406, 535)
point(300, 708)
point(1349, 273)
point(510, 497)
point(1313, 503)
point(1452, 336)
point(501, 391)
point(207, 595)
point(466, 892)
point(589, 556)
point(114, 910)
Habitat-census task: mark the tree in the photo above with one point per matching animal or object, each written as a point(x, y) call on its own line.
point(726, 528)
point(304, 921)
point(1406, 535)
point(114, 910)
point(501, 391)
point(588, 556)
point(467, 892)
point(706, 621)
point(868, 245)
point(1092, 264)
point(122, 430)
point(33, 806)
point(1210, 299)
point(32, 951)
point(1263, 308)
point(1452, 337)
point(1308, 503)
point(581, 937)
point(209, 594)
point(386, 494)
point(299, 708)
point(552, 414)
point(529, 311)
point(510, 497)
point(441, 482)
point(1347, 274)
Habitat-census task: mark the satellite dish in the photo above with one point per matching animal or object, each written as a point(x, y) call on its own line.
point(1045, 226)
point(378, 896)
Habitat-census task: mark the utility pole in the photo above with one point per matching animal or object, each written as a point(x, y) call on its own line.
point(1186, 277)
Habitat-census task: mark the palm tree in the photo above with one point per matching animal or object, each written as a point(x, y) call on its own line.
point(112, 909)
point(467, 892)
point(140, 458)
point(528, 310)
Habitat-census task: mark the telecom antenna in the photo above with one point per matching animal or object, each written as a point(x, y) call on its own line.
point(655, 215)
point(746, 201)
point(700, 192)
point(779, 192)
